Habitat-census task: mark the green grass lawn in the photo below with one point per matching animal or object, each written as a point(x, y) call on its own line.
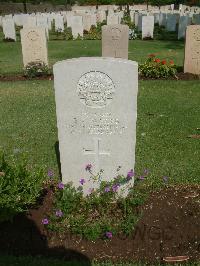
point(168, 112)
point(11, 55)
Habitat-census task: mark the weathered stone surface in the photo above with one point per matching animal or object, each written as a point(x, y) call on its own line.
point(192, 50)
point(59, 23)
point(171, 22)
point(147, 27)
point(184, 21)
point(115, 41)
point(77, 26)
point(96, 106)
point(34, 45)
point(42, 22)
point(9, 28)
point(88, 21)
point(113, 19)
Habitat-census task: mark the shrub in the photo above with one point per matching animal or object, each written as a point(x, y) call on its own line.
point(19, 188)
point(94, 33)
point(36, 69)
point(103, 212)
point(157, 68)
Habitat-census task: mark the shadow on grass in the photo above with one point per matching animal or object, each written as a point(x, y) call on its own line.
point(22, 237)
point(174, 45)
point(57, 151)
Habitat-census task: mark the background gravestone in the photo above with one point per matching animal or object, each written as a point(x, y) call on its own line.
point(171, 22)
point(59, 23)
point(113, 19)
point(192, 50)
point(147, 27)
point(184, 21)
point(96, 107)
point(34, 45)
point(77, 26)
point(9, 28)
point(115, 41)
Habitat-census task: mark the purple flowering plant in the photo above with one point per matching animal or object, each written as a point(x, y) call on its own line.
point(103, 212)
point(45, 221)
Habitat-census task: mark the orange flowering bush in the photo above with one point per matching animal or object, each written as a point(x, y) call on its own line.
point(154, 67)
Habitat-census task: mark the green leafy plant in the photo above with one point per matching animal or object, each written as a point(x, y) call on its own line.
point(68, 32)
point(104, 212)
point(19, 188)
point(36, 69)
point(157, 68)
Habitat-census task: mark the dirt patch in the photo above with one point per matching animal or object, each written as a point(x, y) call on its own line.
point(179, 76)
point(169, 227)
point(23, 78)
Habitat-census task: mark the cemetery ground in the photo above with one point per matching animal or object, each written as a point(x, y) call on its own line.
point(167, 213)
point(167, 145)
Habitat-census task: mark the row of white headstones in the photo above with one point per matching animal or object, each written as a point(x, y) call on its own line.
point(143, 21)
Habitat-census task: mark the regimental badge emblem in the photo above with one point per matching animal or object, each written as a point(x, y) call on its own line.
point(95, 89)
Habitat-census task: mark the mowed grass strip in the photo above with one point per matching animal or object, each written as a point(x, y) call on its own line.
point(168, 112)
point(11, 61)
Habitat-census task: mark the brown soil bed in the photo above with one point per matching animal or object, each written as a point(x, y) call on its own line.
point(169, 227)
point(179, 76)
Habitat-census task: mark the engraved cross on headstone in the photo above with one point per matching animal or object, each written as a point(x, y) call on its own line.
point(96, 152)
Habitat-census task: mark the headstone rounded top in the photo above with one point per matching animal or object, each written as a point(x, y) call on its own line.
point(95, 59)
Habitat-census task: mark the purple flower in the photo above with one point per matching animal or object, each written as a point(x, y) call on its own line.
point(109, 235)
point(59, 213)
point(61, 185)
point(107, 189)
point(50, 173)
point(146, 171)
point(45, 221)
point(165, 178)
point(115, 187)
point(141, 177)
point(88, 167)
point(82, 181)
point(130, 174)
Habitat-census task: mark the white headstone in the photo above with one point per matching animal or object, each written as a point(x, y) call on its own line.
point(113, 19)
point(96, 107)
point(147, 27)
point(34, 45)
point(30, 22)
point(87, 22)
point(59, 23)
point(136, 19)
point(9, 29)
point(101, 16)
point(77, 26)
point(192, 50)
point(42, 22)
